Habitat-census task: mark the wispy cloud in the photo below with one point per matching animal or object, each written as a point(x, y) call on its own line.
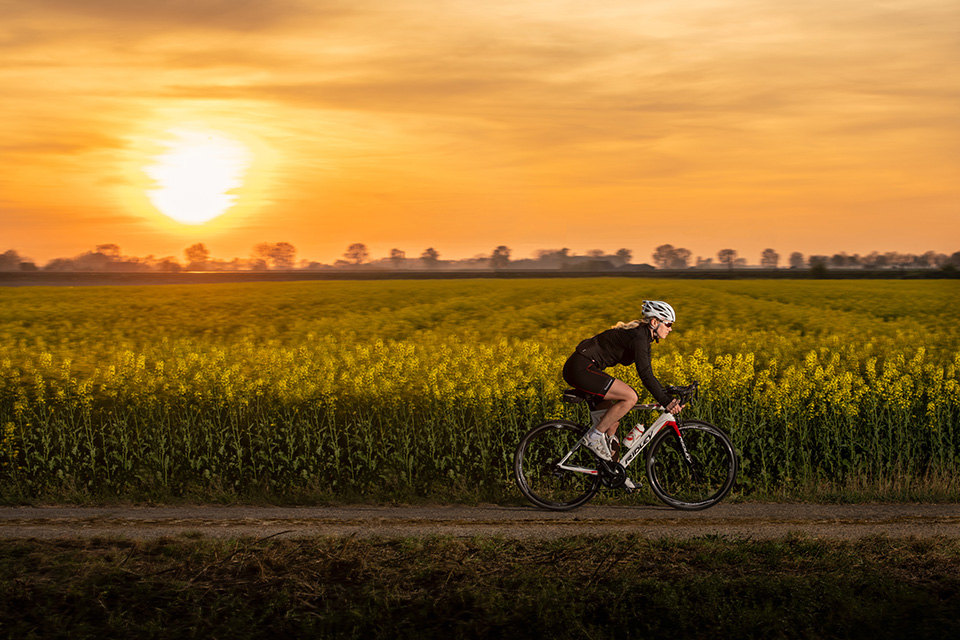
point(735, 100)
point(138, 18)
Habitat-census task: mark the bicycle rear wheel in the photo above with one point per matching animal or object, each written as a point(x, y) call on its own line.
point(536, 466)
point(694, 485)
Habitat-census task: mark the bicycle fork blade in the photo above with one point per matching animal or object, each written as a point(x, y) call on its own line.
point(696, 469)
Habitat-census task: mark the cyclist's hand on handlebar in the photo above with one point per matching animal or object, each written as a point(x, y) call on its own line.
point(675, 406)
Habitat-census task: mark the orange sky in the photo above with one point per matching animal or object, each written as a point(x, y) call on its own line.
point(814, 126)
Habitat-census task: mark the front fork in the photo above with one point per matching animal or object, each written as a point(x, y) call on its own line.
point(676, 424)
point(691, 462)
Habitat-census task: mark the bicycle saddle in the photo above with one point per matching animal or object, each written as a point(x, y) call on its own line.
point(575, 396)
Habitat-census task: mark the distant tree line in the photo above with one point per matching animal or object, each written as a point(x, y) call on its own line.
point(281, 256)
point(668, 257)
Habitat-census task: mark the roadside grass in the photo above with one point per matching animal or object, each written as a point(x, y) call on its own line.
point(927, 489)
point(486, 587)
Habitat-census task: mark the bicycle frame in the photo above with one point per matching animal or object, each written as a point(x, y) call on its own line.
point(691, 472)
point(666, 419)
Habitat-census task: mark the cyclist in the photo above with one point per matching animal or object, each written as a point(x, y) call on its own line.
point(624, 343)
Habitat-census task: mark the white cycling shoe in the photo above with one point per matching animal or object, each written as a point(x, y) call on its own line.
point(599, 447)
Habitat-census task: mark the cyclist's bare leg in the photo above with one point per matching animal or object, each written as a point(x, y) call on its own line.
point(622, 398)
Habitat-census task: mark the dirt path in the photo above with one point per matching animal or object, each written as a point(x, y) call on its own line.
point(755, 521)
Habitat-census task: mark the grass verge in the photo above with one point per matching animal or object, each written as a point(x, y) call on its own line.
point(577, 587)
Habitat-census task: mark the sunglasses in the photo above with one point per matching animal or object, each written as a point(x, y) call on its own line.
point(669, 324)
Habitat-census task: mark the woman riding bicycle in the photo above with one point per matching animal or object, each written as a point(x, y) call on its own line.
point(625, 343)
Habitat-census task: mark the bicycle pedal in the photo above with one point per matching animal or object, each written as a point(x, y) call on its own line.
point(614, 445)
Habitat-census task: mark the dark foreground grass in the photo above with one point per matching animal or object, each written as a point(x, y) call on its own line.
point(581, 587)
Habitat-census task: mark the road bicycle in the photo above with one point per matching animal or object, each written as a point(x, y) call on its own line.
point(690, 464)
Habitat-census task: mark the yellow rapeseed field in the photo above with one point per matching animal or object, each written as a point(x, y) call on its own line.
point(423, 388)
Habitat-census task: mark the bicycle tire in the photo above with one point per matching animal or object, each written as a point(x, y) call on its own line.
point(681, 486)
point(538, 476)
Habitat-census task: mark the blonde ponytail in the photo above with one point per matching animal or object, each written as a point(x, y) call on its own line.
point(633, 324)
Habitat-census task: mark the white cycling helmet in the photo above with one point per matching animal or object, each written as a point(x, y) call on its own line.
point(658, 309)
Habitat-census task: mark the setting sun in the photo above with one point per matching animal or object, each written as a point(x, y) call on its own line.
point(462, 127)
point(196, 177)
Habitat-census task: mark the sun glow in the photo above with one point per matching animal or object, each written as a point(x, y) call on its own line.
point(197, 176)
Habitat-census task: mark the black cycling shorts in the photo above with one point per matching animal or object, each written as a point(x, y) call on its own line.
point(583, 373)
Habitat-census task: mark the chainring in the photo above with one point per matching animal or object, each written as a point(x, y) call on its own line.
point(612, 475)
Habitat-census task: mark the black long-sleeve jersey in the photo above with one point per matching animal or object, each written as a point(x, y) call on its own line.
point(626, 346)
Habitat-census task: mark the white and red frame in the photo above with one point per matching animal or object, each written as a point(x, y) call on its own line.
point(666, 419)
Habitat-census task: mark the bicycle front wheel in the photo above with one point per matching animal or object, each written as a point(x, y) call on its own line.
point(552, 470)
point(703, 480)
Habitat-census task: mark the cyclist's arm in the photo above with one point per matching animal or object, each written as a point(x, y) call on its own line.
point(645, 371)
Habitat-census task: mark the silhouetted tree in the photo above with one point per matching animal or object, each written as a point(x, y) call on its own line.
point(663, 256)
point(727, 257)
point(59, 264)
point(111, 251)
point(274, 255)
point(556, 258)
point(357, 253)
point(681, 257)
point(543, 254)
point(430, 257)
point(930, 259)
point(397, 257)
point(284, 255)
point(667, 256)
point(168, 264)
point(897, 259)
point(93, 260)
point(10, 260)
point(624, 255)
point(197, 257)
point(769, 259)
point(500, 257)
point(839, 260)
point(796, 260)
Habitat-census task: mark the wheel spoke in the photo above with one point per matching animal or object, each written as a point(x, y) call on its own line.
point(538, 470)
point(699, 482)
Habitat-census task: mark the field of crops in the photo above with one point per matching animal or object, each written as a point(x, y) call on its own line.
point(421, 389)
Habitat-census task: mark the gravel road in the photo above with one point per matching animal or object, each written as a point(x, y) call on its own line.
point(753, 521)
